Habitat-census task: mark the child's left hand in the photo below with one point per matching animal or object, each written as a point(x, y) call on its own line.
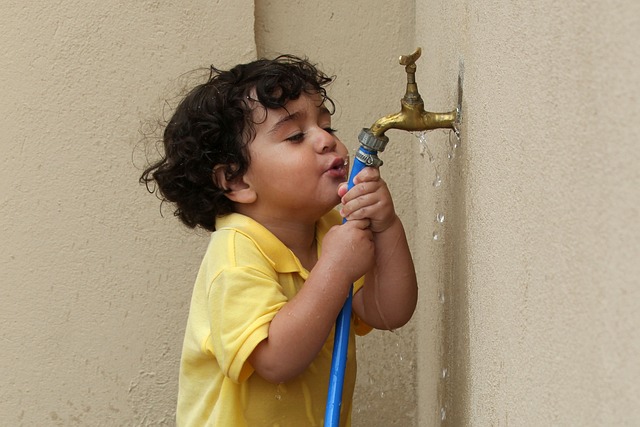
point(368, 199)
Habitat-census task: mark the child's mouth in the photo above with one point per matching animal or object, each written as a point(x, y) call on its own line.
point(339, 168)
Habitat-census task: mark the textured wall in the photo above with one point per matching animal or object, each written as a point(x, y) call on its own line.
point(540, 320)
point(94, 283)
point(528, 311)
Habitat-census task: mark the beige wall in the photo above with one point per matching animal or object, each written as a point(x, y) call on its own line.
point(528, 300)
point(539, 265)
point(94, 283)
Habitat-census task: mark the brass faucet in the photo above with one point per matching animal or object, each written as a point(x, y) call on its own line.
point(412, 116)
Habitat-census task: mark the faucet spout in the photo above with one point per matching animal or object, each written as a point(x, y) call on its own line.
point(412, 116)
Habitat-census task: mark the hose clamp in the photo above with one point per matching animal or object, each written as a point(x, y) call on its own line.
point(370, 160)
point(372, 142)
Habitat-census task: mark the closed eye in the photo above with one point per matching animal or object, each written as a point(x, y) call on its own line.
point(296, 138)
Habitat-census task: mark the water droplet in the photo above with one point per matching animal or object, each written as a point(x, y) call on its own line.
point(443, 414)
point(441, 297)
point(444, 373)
point(440, 217)
point(280, 390)
point(456, 128)
point(424, 147)
point(454, 140)
point(436, 236)
point(437, 182)
point(382, 394)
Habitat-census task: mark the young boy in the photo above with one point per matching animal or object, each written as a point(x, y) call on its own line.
point(251, 156)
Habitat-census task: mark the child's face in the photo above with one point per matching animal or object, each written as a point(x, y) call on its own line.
point(297, 162)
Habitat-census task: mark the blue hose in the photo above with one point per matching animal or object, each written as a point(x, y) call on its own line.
point(341, 336)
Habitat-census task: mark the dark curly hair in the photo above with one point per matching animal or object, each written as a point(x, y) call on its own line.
point(213, 126)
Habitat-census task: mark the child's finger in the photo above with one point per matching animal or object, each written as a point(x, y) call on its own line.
point(359, 190)
point(362, 224)
point(360, 207)
point(367, 174)
point(342, 189)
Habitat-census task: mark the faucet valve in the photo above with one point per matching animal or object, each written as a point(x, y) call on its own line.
point(412, 116)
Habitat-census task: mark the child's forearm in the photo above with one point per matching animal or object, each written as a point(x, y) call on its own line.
point(389, 296)
point(301, 327)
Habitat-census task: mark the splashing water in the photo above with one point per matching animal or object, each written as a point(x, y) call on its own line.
point(453, 144)
point(424, 147)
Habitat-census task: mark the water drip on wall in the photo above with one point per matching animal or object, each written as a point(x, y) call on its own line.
point(440, 219)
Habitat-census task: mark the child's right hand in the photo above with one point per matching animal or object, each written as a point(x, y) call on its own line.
point(350, 248)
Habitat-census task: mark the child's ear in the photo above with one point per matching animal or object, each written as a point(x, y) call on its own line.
point(236, 189)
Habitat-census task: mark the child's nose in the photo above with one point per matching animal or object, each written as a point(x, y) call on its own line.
point(325, 142)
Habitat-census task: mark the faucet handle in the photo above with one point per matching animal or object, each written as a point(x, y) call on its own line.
point(411, 59)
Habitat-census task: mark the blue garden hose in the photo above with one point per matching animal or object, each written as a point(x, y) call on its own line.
point(367, 155)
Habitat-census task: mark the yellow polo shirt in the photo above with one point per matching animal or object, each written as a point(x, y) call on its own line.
point(246, 276)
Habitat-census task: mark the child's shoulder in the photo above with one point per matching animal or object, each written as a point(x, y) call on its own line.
point(240, 241)
point(237, 232)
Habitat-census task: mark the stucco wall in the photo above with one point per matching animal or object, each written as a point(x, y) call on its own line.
point(94, 283)
point(541, 322)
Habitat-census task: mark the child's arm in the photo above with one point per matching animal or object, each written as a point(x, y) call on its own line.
point(301, 327)
point(372, 242)
point(389, 296)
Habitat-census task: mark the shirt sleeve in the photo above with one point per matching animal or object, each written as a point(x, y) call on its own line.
point(243, 300)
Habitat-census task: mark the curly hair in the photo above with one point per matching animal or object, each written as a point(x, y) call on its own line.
point(212, 127)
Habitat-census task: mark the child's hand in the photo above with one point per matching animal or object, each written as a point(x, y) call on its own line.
point(368, 199)
point(349, 247)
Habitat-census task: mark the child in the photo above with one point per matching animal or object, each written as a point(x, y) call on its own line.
point(251, 156)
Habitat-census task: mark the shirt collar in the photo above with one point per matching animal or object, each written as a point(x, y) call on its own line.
point(277, 253)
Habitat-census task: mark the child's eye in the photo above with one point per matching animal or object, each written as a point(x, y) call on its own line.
point(296, 138)
point(330, 130)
